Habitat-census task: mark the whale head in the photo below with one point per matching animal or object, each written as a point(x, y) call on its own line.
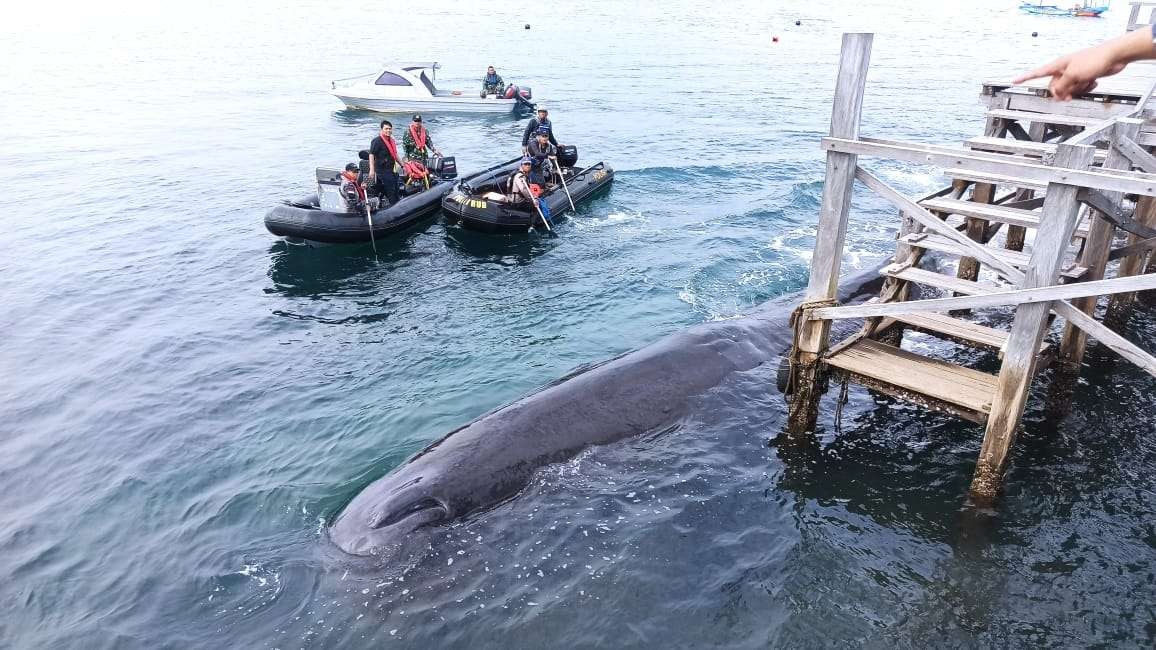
point(386, 515)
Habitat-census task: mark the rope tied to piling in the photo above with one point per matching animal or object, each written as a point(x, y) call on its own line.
point(796, 324)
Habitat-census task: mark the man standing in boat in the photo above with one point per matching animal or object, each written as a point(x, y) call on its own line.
point(382, 159)
point(418, 143)
point(541, 152)
point(537, 123)
point(492, 83)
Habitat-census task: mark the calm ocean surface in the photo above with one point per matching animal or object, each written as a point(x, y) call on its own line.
point(185, 401)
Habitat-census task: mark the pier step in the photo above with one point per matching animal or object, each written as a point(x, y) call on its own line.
point(930, 382)
point(1019, 147)
point(938, 280)
point(995, 179)
point(959, 330)
point(940, 243)
point(1045, 118)
point(989, 212)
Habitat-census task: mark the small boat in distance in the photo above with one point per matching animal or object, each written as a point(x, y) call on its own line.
point(406, 88)
point(1085, 10)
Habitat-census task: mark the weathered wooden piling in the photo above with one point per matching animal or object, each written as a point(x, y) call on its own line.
point(812, 337)
point(1060, 172)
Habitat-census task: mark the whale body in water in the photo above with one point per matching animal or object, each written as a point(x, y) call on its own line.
point(492, 458)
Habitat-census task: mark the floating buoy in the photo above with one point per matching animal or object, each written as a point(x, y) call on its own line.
point(527, 25)
point(774, 39)
point(1035, 34)
point(798, 22)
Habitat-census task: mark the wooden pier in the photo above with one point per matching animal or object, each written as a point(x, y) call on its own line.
point(1038, 220)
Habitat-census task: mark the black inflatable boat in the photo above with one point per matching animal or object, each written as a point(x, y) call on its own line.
point(324, 217)
point(467, 202)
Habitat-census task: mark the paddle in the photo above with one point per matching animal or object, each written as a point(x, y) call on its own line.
point(539, 211)
point(563, 177)
point(369, 218)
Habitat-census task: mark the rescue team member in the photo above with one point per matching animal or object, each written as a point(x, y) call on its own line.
point(418, 143)
point(517, 186)
point(535, 124)
point(492, 83)
point(382, 159)
point(351, 189)
point(540, 152)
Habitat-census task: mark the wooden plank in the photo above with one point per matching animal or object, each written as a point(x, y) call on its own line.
point(914, 374)
point(937, 280)
point(972, 162)
point(1061, 208)
point(997, 179)
point(1002, 214)
point(931, 222)
point(942, 244)
point(1107, 337)
point(1044, 118)
point(985, 295)
point(822, 286)
point(1136, 154)
point(955, 329)
point(1037, 100)
point(1017, 147)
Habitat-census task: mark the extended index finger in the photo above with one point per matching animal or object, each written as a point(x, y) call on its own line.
point(1050, 70)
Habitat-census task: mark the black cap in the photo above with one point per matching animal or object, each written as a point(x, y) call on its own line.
point(351, 167)
point(417, 117)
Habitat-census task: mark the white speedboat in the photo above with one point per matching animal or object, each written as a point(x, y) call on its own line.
point(406, 88)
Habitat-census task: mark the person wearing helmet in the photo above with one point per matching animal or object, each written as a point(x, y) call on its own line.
point(542, 152)
point(418, 143)
point(492, 83)
point(543, 120)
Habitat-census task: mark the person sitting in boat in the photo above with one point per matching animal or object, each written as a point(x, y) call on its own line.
point(352, 190)
point(543, 120)
point(518, 189)
point(492, 83)
point(418, 143)
point(541, 152)
point(382, 159)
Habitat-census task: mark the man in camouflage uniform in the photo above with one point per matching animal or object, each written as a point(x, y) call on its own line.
point(418, 143)
point(492, 83)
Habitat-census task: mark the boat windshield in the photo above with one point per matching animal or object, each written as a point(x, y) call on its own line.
point(428, 84)
point(392, 79)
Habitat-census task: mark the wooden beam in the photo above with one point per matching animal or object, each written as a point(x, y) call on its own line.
point(962, 160)
point(1094, 256)
point(990, 299)
point(929, 221)
point(813, 337)
point(1136, 154)
point(1121, 304)
point(1061, 210)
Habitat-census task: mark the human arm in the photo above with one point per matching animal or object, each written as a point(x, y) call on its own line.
point(1076, 73)
point(526, 134)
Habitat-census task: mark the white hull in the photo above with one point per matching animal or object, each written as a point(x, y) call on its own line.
point(456, 104)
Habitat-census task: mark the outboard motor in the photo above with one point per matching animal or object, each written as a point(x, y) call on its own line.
point(568, 155)
point(444, 168)
point(523, 95)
